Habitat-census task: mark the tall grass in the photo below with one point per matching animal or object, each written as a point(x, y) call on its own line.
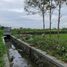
point(2, 49)
point(52, 46)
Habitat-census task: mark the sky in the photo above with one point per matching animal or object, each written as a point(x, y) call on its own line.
point(12, 14)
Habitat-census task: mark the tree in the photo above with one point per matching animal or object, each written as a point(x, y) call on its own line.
point(50, 7)
point(40, 5)
point(59, 16)
point(50, 2)
point(59, 3)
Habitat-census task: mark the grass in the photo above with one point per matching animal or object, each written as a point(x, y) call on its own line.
point(53, 46)
point(2, 49)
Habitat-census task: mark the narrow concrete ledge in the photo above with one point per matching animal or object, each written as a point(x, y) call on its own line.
point(41, 58)
point(6, 61)
point(5, 57)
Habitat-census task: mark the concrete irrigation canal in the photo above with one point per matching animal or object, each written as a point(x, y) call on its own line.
point(15, 58)
point(22, 55)
point(18, 61)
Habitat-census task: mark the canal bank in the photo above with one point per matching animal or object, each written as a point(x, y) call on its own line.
point(40, 58)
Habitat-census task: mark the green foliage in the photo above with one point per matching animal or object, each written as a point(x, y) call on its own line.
point(52, 46)
point(37, 31)
point(2, 49)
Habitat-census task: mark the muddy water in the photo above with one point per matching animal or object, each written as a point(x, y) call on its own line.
point(18, 60)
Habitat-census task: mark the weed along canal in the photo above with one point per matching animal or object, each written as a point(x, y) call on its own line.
point(15, 58)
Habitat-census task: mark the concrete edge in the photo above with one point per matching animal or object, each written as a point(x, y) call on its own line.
point(5, 57)
point(6, 61)
point(51, 59)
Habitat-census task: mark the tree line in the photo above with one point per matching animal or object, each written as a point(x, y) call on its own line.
point(44, 6)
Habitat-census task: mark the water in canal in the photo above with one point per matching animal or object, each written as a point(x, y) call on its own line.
point(18, 60)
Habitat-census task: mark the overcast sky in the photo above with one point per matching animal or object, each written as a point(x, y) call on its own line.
point(12, 14)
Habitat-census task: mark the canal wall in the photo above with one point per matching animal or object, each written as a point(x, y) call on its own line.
point(5, 56)
point(39, 57)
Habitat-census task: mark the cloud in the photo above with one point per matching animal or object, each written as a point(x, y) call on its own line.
point(12, 14)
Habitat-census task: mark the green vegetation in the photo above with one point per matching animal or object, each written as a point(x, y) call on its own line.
point(56, 43)
point(2, 49)
point(43, 7)
point(52, 45)
point(37, 31)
